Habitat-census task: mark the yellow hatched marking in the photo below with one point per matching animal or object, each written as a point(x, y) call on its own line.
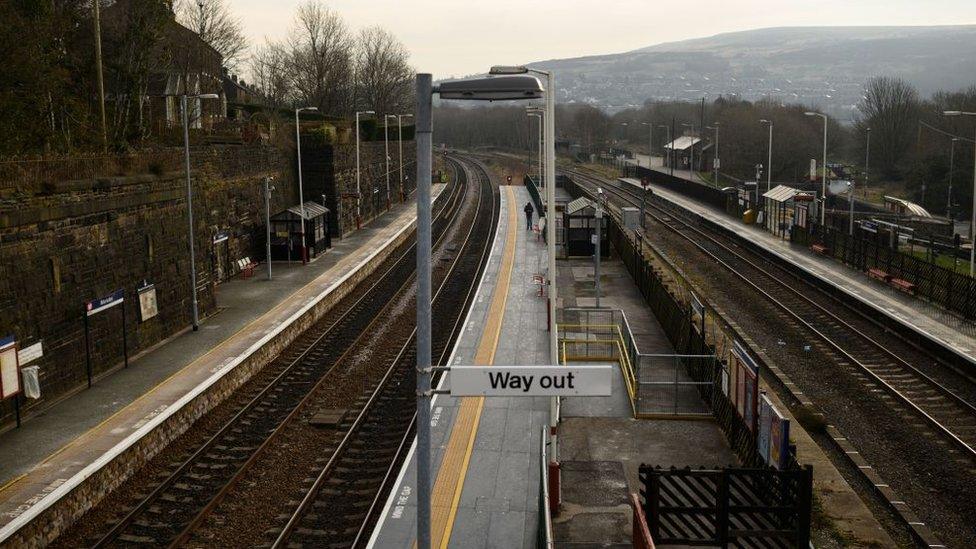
point(446, 494)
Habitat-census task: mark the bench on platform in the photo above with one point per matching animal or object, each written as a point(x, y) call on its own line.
point(903, 285)
point(820, 249)
point(246, 267)
point(878, 274)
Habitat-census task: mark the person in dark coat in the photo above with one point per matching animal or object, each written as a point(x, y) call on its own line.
point(529, 210)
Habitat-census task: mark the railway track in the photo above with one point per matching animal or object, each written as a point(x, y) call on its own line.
point(188, 488)
point(853, 338)
point(339, 507)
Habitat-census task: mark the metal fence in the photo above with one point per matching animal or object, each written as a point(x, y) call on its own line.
point(675, 385)
point(545, 537)
point(950, 289)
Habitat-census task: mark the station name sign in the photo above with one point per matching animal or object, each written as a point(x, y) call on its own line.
point(531, 380)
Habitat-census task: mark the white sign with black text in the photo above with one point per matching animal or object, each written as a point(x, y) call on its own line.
point(590, 380)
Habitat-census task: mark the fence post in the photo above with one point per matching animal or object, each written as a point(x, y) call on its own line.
point(804, 506)
point(722, 511)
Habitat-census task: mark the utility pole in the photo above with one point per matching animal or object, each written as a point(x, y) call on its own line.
point(599, 236)
point(99, 76)
point(952, 162)
point(423, 130)
point(267, 220)
point(867, 161)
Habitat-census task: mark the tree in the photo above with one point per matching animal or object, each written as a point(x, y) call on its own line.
point(383, 73)
point(217, 26)
point(320, 59)
point(891, 109)
point(269, 74)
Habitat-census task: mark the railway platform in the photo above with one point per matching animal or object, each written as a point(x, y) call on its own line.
point(59, 448)
point(949, 330)
point(485, 451)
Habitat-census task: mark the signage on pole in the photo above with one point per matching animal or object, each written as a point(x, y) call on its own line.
point(30, 353)
point(98, 305)
point(148, 306)
point(531, 381)
point(9, 368)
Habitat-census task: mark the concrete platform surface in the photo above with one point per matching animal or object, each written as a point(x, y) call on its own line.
point(59, 446)
point(485, 491)
point(951, 330)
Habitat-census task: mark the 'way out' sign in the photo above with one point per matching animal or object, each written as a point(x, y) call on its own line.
point(531, 380)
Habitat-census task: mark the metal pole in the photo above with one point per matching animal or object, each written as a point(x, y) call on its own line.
point(867, 160)
point(99, 75)
point(596, 255)
point(542, 178)
point(952, 160)
point(715, 161)
point(769, 161)
point(972, 223)
point(424, 126)
point(125, 339)
point(823, 181)
point(301, 195)
point(400, 147)
point(267, 222)
point(358, 193)
point(189, 213)
point(386, 141)
point(550, 165)
point(850, 228)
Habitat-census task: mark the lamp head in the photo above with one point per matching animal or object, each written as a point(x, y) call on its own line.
point(208, 96)
point(501, 88)
point(508, 69)
point(952, 113)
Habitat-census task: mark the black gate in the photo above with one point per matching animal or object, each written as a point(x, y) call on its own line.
point(728, 507)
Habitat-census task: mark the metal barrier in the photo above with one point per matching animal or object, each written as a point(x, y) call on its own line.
point(545, 536)
point(657, 384)
point(675, 385)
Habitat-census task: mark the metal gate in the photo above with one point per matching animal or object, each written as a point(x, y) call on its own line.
point(728, 507)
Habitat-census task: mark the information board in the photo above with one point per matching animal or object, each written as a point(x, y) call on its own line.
point(9, 368)
point(148, 306)
point(531, 381)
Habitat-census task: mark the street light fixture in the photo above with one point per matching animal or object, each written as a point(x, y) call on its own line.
point(540, 114)
point(715, 159)
point(670, 147)
point(359, 198)
point(509, 87)
point(386, 143)
point(823, 180)
point(301, 192)
point(972, 222)
point(400, 118)
point(650, 141)
point(549, 93)
point(769, 160)
point(189, 199)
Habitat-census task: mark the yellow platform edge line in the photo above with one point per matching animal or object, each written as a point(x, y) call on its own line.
point(487, 346)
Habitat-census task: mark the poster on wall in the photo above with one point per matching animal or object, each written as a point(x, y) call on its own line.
point(148, 307)
point(745, 375)
point(9, 368)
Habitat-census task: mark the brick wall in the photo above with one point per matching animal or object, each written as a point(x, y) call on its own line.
point(68, 241)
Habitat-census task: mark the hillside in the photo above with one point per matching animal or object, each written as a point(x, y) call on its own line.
point(823, 66)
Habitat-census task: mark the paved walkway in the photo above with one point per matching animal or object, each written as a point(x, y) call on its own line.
point(952, 331)
point(81, 430)
point(486, 450)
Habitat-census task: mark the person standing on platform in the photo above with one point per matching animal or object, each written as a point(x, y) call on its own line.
point(529, 210)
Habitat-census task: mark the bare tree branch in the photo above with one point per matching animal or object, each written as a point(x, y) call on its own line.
point(217, 26)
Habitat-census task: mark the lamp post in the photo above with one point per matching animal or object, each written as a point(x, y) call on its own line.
point(769, 159)
point(715, 160)
point(650, 141)
point(400, 118)
point(670, 147)
point(359, 197)
point(486, 89)
point(867, 161)
point(386, 141)
point(952, 163)
point(600, 197)
point(691, 160)
point(301, 192)
point(268, 188)
point(536, 113)
point(189, 199)
point(823, 180)
point(550, 167)
point(972, 221)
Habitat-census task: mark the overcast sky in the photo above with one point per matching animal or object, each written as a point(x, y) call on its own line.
point(467, 36)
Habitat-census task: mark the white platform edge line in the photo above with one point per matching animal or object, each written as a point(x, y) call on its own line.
point(30, 514)
point(679, 200)
point(440, 385)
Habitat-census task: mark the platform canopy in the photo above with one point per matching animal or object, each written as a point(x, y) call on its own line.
point(312, 210)
point(781, 193)
point(683, 143)
point(579, 205)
